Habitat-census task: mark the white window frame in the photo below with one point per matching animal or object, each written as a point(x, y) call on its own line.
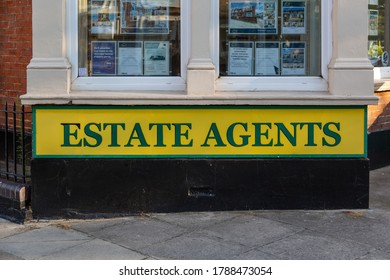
point(295, 83)
point(126, 83)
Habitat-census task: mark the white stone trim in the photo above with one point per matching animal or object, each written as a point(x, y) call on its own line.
point(292, 98)
point(350, 71)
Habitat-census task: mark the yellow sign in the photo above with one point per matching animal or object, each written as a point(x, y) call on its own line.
point(199, 131)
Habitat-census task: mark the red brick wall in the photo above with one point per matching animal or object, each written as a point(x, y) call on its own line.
point(15, 49)
point(379, 116)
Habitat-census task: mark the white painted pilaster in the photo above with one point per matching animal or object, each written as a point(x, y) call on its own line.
point(350, 71)
point(201, 70)
point(48, 73)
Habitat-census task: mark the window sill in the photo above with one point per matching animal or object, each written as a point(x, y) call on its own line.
point(382, 85)
point(181, 98)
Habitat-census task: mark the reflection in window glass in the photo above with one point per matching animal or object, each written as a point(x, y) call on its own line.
point(270, 38)
point(379, 32)
point(129, 38)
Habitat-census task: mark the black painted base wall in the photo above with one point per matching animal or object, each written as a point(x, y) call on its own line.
point(104, 187)
point(379, 149)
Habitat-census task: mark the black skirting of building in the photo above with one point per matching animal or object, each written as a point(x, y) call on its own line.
point(112, 187)
point(379, 149)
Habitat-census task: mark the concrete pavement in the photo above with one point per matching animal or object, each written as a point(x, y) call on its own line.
point(268, 235)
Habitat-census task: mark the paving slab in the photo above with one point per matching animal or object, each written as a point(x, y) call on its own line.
point(6, 224)
point(380, 177)
point(8, 256)
point(37, 250)
point(376, 255)
point(194, 246)
point(138, 233)
point(91, 226)
point(309, 245)
point(255, 254)
point(38, 243)
point(8, 228)
point(194, 220)
point(46, 234)
point(95, 250)
point(368, 228)
point(251, 230)
point(380, 194)
point(300, 218)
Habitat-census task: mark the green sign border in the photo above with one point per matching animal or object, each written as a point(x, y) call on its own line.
point(189, 107)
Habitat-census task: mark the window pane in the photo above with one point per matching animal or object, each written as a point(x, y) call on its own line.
point(270, 38)
point(129, 38)
point(379, 32)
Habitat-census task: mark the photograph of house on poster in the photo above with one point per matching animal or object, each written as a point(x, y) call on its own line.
point(103, 17)
point(253, 17)
point(144, 17)
point(294, 58)
point(294, 17)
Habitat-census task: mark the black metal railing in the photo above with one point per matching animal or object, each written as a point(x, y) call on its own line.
point(15, 144)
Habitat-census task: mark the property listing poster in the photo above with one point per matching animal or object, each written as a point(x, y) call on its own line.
point(294, 17)
point(253, 17)
point(130, 58)
point(103, 57)
point(267, 62)
point(373, 22)
point(293, 58)
point(144, 16)
point(103, 17)
point(156, 58)
point(240, 58)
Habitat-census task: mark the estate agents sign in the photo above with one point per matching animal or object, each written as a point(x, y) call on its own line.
point(194, 132)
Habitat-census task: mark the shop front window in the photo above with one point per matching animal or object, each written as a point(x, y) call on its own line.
point(270, 38)
point(129, 38)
